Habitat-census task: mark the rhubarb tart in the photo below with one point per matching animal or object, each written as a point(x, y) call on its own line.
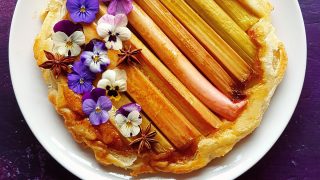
point(159, 85)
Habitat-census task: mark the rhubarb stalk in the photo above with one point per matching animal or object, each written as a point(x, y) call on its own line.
point(181, 67)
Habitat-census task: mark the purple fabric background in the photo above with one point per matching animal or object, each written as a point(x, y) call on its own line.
point(296, 155)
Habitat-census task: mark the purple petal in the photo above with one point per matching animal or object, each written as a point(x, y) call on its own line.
point(82, 70)
point(66, 26)
point(94, 94)
point(73, 77)
point(120, 7)
point(98, 118)
point(126, 109)
point(105, 103)
point(78, 67)
point(95, 42)
point(88, 106)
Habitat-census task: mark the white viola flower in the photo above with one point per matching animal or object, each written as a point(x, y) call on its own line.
point(68, 45)
point(113, 81)
point(95, 56)
point(113, 29)
point(128, 119)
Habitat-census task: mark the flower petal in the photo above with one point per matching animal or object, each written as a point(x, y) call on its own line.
point(67, 26)
point(103, 29)
point(122, 84)
point(62, 50)
point(126, 130)
point(120, 74)
point(117, 45)
point(120, 20)
point(59, 37)
point(120, 7)
point(95, 67)
point(75, 50)
point(95, 42)
point(88, 106)
point(135, 131)
point(110, 75)
point(105, 103)
point(99, 47)
point(109, 44)
point(86, 57)
point(94, 94)
point(107, 19)
point(120, 120)
point(135, 118)
point(124, 33)
point(126, 109)
point(103, 83)
point(78, 38)
point(98, 118)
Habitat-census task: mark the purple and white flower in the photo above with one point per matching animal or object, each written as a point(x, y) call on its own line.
point(97, 107)
point(68, 38)
point(119, 6)
point(113, 30)
point(83, 10)
point(128, 119)
point(113, 81)
point(81, 78)
point(95, 56)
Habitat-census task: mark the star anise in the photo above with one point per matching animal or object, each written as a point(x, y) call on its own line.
point(145, 140)
point(129, 55)
point(57, 64)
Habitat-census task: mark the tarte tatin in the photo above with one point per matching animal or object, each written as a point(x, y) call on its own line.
point(159, 85)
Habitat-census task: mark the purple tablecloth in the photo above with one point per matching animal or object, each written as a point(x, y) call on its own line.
point(296, 155)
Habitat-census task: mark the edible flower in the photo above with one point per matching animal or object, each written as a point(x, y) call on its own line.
point(95, 56)
point(80, 80)
point(113, 30)
point(83, 10)
point(68, 38)
point(119, 6)
point(114, 82)
point(128, 119)
point(57, 64)
point(97, 107)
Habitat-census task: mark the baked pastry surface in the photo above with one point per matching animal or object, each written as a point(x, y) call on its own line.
point(109, 146)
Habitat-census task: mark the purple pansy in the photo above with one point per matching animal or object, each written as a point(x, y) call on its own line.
point(97, 108)
point(83, 10)
point(128, 119)
point(95, 56)
point(81, 78)
point(119, 6)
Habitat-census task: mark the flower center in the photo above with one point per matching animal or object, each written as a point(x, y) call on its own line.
point(112, 91)
point(98, 109)
point(113, 38)
point(96, 58)
point(81, 80)
point(129, 123)
point(83, 9)
point(69, 44)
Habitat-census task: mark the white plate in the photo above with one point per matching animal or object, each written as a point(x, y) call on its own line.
point(47, 126)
